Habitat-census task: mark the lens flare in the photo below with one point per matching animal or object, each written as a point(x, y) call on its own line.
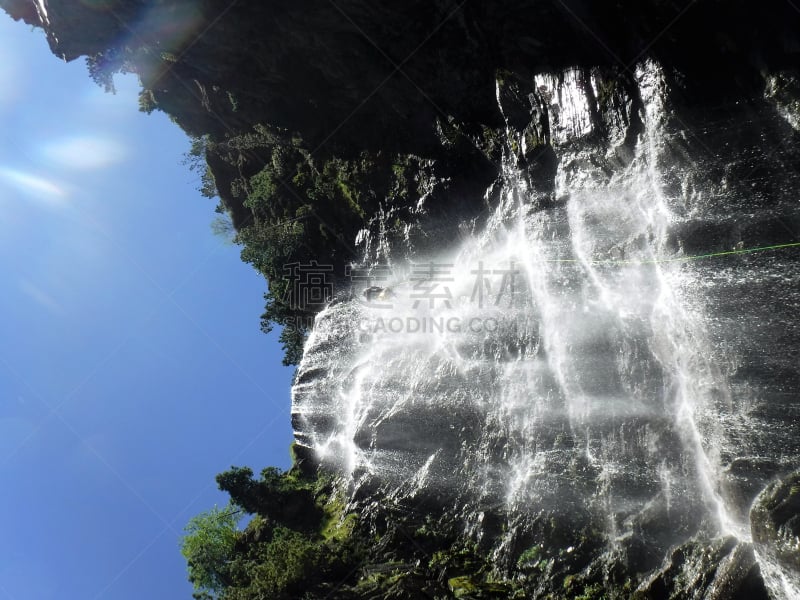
point(173, 26)
point(35, 187)
point(40, 297)
point(84, 152)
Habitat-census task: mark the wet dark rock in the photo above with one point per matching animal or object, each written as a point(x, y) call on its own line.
point(775, 522)
point(745, 477)
point(721, 569)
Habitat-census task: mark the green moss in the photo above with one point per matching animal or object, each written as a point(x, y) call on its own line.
point(461, 586)
point(627, 587)
point(462, 557)
point(340, 528)
point(569, 581)
point(593, 592)
point(491, 141)
point(531, 555)
point(349, 196)
point(381, 579)
point(234, 102)
point(467, 586)
point(502, 76)
point(532, 140)
point(336, 523)
point(293, 453)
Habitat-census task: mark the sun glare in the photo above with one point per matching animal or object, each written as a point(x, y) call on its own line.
point(84, 152)
point(38, 188)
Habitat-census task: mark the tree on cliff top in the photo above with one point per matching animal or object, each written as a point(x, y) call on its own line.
point(208, 548)
point(290, 545)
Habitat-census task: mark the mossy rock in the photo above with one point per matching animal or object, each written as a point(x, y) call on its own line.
point(468, 588)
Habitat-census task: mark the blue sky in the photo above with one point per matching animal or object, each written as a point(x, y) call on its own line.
point(132, 367)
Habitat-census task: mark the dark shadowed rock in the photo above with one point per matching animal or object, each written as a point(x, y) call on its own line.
point(721, 569)
point(775, 523)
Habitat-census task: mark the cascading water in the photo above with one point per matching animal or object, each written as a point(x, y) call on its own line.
point(573, 367)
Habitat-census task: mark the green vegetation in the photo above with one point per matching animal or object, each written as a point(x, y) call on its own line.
point(530, 556)
point(302, 541)
point(292, 197)
point(298, 537)
point(208, 547)
point(305, 209)
point(295, 208)
point(104, 65)
point(195, 158)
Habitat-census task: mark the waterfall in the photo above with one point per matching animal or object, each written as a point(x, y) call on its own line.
point(572, 361)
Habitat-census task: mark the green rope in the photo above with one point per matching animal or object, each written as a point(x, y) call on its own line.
point(678, 259)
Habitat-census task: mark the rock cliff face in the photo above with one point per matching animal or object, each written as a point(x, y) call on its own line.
point(352, 76)
point(615, 447)
point(340, 79)
point(610, 435)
